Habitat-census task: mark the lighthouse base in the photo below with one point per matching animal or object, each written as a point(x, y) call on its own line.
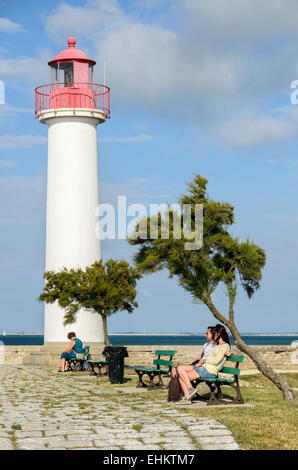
point(49, 354)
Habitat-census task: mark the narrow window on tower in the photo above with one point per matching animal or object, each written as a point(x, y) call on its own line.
point(54, 75)
point(90, 75)
point(66, 73)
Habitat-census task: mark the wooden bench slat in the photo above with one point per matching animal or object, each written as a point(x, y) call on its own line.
point(159, 352)
point(144, 369)
point(234, 358)
point(230, 370)
point(162, 362)
point(224, 380)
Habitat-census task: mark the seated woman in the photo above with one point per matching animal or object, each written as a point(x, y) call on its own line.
point(212, 365)
point(76, 346)
point(207, 349)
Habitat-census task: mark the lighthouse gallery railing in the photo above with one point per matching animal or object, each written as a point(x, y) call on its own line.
point(72, 95)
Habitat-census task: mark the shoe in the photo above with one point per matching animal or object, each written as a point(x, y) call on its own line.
point(182, 399)
point(191, 392)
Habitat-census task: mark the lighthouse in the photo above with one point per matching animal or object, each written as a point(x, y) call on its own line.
point(72, 106)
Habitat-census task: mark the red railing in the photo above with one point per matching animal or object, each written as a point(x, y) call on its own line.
point(72, 95)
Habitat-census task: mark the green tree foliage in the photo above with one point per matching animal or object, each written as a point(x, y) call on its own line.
point(100, 288)
point(222, 259)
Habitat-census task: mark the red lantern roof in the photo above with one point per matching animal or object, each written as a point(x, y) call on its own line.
point(71, 54)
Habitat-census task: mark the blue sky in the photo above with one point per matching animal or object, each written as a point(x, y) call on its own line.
point(196, 87)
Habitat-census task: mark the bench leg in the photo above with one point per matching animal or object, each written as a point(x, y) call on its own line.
point(70, 365)
point(152, 384)
point(212, 399)
point(91, 369)
point(238, 400)
point(78, 366)
point(159, 384)
point(141, 384)
point(218, 394)
point(99, 371)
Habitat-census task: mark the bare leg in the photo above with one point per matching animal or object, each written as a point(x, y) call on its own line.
point(63, 362)
point(187, 373)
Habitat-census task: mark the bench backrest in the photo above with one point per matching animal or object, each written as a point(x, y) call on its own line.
point(232, 370)
point(164, 362)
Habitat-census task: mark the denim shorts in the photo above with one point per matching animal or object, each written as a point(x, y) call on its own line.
point(203, 372)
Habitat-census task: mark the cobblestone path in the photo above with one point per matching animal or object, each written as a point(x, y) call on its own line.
point(41, 409)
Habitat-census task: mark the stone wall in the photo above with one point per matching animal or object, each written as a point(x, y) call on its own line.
point(279, 357)
point(17, 354)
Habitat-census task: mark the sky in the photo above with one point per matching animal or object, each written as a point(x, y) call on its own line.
point(196, 88)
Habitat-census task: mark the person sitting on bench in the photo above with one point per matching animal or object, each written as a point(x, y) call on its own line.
point(207, 349)
point(212, 365)
point(76, 346)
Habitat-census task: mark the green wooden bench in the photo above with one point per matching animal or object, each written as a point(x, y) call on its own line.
point(77, 364)
point(95, 367)
point(158, 369)
point(232, 381)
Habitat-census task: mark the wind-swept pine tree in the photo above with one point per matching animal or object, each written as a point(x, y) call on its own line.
point(222, 259)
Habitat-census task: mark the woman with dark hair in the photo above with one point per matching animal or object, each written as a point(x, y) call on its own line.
point(211, 367)
point(76, 346)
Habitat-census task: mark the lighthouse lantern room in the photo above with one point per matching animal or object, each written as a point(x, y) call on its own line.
point(72, 106)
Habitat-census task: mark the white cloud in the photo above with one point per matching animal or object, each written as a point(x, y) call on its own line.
point(8, 26)
point(205, 65)
point(254, 132)
point(10, 141)
point(251, 130)
point(231, 18)
point(126, 140)
point(26, 72)
point(83, 21)
point(7, 109)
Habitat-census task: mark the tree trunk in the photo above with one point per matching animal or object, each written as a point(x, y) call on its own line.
point(289, 394)
point(105, 330)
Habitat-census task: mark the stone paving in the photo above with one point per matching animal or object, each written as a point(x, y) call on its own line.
point(42, 409)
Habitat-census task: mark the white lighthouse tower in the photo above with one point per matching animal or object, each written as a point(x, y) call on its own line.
point(72, 106)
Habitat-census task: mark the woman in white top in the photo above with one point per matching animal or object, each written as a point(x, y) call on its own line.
point(207, 349)
point(212, 364)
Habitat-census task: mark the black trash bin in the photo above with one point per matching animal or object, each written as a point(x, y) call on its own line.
point(115, 356)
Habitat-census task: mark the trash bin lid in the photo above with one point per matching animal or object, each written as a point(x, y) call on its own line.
point(115, 351)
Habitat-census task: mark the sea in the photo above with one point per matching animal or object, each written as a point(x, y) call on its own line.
point(139, 340)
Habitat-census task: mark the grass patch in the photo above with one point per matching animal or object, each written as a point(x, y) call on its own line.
point(271, 425)
point(260, 379)
point(16, 427)
point(137, 427)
